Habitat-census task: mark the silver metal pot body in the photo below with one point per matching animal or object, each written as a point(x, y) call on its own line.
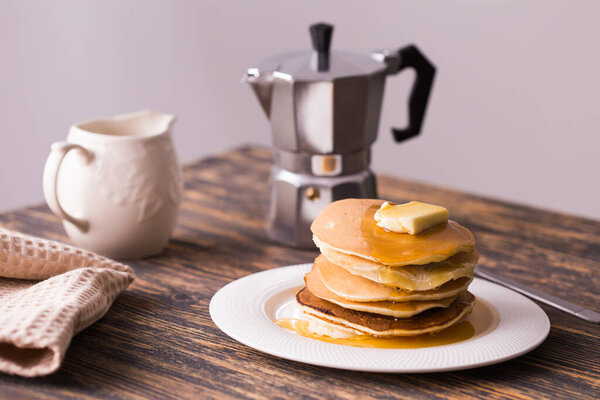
point(324, 108)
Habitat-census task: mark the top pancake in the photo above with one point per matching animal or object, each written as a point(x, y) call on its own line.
point(349, 226)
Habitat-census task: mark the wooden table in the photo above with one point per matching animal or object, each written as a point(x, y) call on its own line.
point(158, 340)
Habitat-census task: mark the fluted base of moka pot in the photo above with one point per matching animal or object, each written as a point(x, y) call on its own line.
point(297, 199)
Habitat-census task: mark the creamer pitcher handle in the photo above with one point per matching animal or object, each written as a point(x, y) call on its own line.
point(57, 154)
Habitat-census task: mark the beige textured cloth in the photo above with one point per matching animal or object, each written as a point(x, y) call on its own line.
point(39, 318)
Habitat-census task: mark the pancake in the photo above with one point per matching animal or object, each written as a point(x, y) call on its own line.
point(408, 277)
point(403, 309)
point(348, 226)
point(320, 327)
point(430, 321)
point(356, 288)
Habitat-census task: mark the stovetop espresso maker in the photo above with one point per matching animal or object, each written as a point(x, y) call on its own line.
point(324, 109)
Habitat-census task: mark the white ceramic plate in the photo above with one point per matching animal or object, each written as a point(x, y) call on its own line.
point(506, 324)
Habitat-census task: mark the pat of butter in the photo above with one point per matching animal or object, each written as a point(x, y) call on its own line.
point(412, 218)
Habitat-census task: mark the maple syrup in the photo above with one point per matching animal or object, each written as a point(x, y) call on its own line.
point(394, 248)
point(454, 334)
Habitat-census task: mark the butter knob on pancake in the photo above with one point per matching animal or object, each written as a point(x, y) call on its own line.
point(349, 226)
point(412, 218)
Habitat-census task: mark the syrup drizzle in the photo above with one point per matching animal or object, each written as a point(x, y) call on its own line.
point(392, 248)
point(454, 334)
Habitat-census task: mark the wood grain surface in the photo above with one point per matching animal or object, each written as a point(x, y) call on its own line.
point(158, 341)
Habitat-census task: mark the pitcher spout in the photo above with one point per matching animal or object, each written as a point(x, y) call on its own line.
point(156, 121)
point(139, 123)
point(262, 84)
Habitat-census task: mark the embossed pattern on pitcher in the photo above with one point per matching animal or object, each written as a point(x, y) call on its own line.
point(125, 179)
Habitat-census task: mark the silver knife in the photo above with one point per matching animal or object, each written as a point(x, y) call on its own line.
point(546, 298)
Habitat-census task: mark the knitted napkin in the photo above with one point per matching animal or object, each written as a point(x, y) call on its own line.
point(49, 291)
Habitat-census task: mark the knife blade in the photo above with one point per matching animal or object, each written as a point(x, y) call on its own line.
point(546, 298)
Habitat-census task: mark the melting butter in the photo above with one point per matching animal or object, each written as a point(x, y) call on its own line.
point(412, 218)
point(434, 245)
point(462, 331)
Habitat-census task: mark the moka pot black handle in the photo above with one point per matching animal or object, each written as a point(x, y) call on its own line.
point(411, 57)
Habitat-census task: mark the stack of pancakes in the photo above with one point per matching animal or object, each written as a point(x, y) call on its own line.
point(370, 281)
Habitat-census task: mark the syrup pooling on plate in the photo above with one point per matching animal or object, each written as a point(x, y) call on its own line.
point(391, 248)
point(457, 333)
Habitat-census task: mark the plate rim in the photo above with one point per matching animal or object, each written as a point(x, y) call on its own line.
point(291, 275)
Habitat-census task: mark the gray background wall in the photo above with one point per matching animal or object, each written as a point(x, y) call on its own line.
point(514, 111)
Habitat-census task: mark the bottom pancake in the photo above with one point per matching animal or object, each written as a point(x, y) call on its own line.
point(430, 321)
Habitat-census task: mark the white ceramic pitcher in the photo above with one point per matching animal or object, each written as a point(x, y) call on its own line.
point(116, 184)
